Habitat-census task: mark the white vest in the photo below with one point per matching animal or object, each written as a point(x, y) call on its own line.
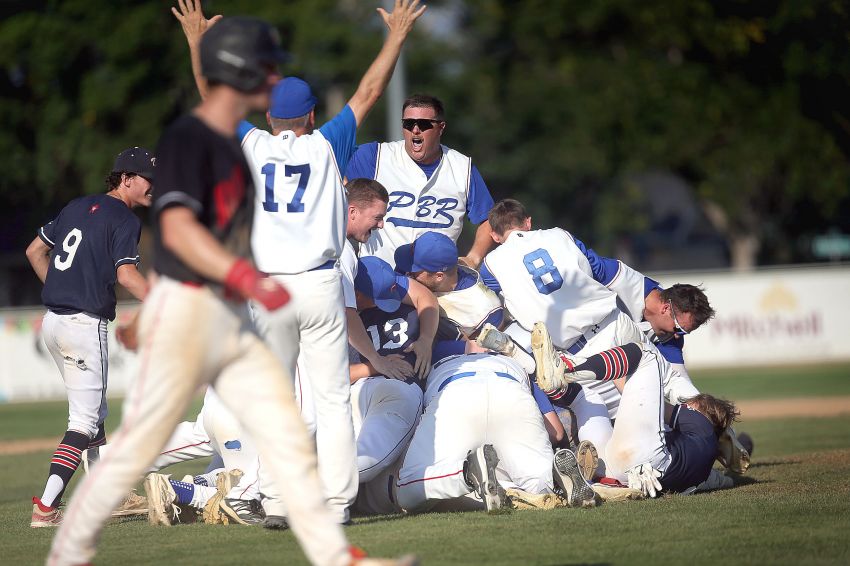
point(468, 308)
point(545, 277)
point(418, 204)
point(300, 204)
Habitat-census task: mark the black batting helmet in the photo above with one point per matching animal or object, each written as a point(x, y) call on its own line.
point(238, 51)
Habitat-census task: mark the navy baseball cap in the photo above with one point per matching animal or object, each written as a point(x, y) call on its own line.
point(377, 280)
point(431, 252)
point(136, 160)
point(291, 98)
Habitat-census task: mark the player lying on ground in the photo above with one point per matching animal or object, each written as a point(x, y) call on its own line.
point(642, 452)
point(481, 433)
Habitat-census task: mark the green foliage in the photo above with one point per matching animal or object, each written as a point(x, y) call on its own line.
point(562, 103)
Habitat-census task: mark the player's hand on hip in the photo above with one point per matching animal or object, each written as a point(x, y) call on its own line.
point(245, 282)
point(645, 478)
point(393, 366)
point(422, 350)
point(404, 14)
point(192, 19)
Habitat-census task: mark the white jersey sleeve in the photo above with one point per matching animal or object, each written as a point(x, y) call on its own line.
point(348, 267)
point(300, 203)
point(630, 289)
point(545, 277)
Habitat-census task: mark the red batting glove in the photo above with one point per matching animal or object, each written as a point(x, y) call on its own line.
point(246, 282)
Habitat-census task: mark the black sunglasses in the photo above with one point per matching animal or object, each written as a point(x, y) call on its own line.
point(423, 123)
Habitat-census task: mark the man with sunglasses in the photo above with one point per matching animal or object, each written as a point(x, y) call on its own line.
point(432, 187)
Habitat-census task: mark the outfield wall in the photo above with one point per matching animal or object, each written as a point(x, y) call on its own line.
point(767, 317)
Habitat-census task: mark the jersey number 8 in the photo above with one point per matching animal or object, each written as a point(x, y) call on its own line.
point(69, 245)
point(543, 271)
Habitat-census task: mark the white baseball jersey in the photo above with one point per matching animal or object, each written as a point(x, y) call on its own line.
point(545, 277)
point(300, 203)
point(468, 308)
point(348, 267)
point(480, 364)
point(419, 204)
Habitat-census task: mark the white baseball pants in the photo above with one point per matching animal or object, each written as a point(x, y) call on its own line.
point(639, 431)
point(77, 343)
point(188, 337)
point(465, 414)
point(314, 326)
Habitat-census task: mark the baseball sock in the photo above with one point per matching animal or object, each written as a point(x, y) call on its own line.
point(64, 463)
point(191, 494)
point(615, 363)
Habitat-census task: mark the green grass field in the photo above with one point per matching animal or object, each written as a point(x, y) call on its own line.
point(793, 507)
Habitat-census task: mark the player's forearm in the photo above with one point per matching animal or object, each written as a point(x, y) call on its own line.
point(554, 428)
point(375, 81)
point(194, 245)
point(130, 278)
point(483, 243)
point(427, 309)
point(360, 371)
point(358, 337)
point(38, 254)
point(200, 80)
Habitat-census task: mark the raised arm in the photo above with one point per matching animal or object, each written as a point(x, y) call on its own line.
point(194, 25)
point(373, 83)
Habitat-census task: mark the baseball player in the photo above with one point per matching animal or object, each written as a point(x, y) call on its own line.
point(79, 256)
point(301, 208)
point(194, 327)
point(545, 275)
point(432, 187)
point(482, 432)
point(642, 451)
point(464, 299)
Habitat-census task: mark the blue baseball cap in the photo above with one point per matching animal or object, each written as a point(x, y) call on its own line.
point(431, 252)
point(291, 97)
point(377, 280)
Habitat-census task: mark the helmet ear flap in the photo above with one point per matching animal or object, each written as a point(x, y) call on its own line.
point(238, 52)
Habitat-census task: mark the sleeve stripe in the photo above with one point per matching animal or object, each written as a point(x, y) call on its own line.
point(44, 237)
point(123, 260)
point(619, 270)
point(178, 197)
point(377, 160)
point(247, 135)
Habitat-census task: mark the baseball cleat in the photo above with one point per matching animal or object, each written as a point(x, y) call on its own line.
point(44, 516)
point(133, 504)
point(588, 459)
point(275, 522)
point(480, 475)
point(161, 498)
point(568, 477)
point(550, 366)
point(243, 511)
point(495, 340)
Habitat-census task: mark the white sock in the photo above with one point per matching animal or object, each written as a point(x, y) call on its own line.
point(52, 489)
point(201, 495)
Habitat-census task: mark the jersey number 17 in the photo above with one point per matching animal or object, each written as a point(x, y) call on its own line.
point(295, 205)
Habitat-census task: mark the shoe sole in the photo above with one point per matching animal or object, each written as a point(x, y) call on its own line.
point(156, 514)
point(588, 459)
point(43, 524)
point(490, 338)
point(489, 489)
point(541, 347)
point(568, 476)
point(275, 523)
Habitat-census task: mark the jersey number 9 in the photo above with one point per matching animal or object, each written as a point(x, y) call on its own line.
point(69, 246)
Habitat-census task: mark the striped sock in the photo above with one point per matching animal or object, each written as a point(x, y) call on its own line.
point(621, 361)
point(64, 463)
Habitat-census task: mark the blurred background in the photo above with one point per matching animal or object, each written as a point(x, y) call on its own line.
point(673, 135)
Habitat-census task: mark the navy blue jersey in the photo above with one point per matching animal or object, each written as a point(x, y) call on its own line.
point(392, 332)
point(693, 447)
point(91, 238)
